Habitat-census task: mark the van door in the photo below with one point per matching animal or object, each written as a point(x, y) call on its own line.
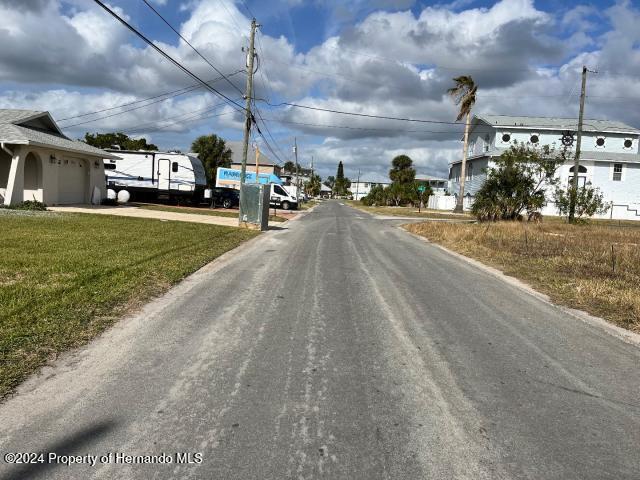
point(164, 174)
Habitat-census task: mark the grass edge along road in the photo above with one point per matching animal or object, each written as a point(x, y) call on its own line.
point(65, 278)
point(410, 212)
point(593, 267)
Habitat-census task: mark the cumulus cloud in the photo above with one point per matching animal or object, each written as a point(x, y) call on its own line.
point(392, 61)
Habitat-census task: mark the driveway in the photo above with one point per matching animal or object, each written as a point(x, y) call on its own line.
point(131, 211)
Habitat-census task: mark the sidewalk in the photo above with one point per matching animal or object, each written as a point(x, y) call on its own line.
point(125, 211)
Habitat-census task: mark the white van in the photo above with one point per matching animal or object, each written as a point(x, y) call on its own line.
point(156, 175)
point(281, 198)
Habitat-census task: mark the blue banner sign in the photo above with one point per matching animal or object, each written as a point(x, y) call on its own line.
point(230, 175)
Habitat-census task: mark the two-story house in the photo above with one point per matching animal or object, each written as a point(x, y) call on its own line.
point(609, 156)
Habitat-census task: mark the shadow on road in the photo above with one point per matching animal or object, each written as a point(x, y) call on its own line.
point(75, 443)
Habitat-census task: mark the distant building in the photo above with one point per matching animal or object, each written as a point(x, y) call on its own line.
point(38, 162)
point(609, 156)
point(363, 187)
point(438, 185)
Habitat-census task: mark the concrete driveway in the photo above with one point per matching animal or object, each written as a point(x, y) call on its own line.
point(131, 211)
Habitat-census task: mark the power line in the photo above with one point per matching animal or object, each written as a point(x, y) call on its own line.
point(166, 55)
point(168, 95)
point(122, 112)
point(192, 47)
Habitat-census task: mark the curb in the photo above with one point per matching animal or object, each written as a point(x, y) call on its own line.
point(626, 336)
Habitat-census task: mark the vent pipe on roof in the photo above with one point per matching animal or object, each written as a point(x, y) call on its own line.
point(2, 145)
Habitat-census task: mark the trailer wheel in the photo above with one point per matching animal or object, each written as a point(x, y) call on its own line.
point(285, 205)
point(226, 203)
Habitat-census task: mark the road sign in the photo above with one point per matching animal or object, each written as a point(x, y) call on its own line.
point(421, 188)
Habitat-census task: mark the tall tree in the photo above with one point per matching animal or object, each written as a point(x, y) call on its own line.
point(402, 174)
point(289, 167)
point(342, 183)
point(122, 140)
point(464, 95)
point(213, 153)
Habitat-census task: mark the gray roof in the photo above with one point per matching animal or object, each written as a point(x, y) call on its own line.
point(553, 123)
point(12, 131)
point(584, 155)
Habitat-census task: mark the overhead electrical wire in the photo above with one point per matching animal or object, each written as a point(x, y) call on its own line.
point(167, 95)
point(167, 56)
point(191, 46)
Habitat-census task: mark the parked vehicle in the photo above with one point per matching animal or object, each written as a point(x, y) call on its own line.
point(223, 197)
point(156, 175)
point(280, 197)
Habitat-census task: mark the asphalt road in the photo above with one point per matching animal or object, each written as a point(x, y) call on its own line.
point(343, 348)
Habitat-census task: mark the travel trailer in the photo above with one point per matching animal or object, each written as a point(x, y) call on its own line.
point(156, 175)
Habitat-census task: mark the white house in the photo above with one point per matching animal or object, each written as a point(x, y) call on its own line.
point(362, 188)
point(438, 185)
point(38, 162)
point(609, 158)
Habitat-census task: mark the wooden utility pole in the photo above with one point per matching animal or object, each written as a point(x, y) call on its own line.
point(576, 163)
point(358, 186)
point(463, 170)
point(257, 164)
point(247, 126)
point(295, 151)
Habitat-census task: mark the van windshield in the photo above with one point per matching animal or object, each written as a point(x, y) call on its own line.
point(279, 190)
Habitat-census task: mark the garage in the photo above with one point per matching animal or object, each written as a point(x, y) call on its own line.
point(73, 181)
point(38, 162)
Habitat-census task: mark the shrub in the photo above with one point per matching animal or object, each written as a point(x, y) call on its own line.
point(517, 183)
point(588, 201)
point(31, 205)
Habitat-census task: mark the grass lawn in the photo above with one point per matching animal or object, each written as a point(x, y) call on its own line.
point(594, 267)
point(410, 212)
point(203, 211)
point(66, 277)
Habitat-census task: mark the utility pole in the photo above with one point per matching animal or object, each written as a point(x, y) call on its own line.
point(257, 164)
point(576, 164)
point(311, 177)
point(247, 126)
point(358, 186)
point(295, 151)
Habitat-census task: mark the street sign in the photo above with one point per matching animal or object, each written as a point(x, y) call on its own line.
point(421, 188)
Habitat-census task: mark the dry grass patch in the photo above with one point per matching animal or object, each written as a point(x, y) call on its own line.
point(592, 267)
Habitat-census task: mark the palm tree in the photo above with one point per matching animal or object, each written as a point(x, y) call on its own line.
point(464, 95)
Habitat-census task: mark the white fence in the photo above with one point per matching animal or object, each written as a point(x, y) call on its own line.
point(447, 202)
point(615, 212)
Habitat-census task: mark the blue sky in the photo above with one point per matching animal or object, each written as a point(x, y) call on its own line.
point(385, 57)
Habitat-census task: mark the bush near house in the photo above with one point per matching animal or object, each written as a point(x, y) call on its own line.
point(594, 267)
point(64, 278)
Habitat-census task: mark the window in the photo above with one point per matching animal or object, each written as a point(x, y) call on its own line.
point(278, 190)
point(470, 171)
point(617, 172)
point(109, 166)
point(600, 142)
point(534, 138)
point(628, 143)
point(506, 137)
point(174, 167)
point(581, 169)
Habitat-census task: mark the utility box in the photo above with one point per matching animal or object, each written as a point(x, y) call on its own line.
point(254, 205)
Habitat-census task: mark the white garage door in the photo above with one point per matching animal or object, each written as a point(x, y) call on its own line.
point(72, 181)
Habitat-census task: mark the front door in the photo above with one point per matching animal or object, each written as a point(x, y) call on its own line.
point(164, 174)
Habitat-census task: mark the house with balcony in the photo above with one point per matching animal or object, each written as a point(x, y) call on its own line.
point(363, 187)
point(609, 158)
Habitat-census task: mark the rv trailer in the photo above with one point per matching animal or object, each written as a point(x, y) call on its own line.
point(156, 175)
